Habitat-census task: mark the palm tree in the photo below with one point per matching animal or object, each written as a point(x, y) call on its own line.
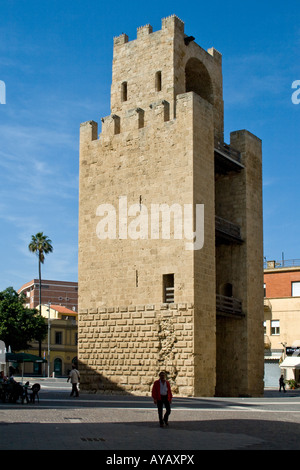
point(41, 245)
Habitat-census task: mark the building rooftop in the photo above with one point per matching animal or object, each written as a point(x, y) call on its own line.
point(47, 281)
point(282, 264)
point(62, 309)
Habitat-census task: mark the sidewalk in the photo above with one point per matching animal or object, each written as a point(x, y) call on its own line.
point(122, 423)
point(110, 429)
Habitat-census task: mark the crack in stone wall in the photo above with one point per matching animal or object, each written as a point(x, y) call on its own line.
point(166, 354)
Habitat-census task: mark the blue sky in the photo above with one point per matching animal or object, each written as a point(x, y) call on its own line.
point(56, 61)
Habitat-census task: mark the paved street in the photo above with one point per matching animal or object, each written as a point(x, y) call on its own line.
point(121, 423)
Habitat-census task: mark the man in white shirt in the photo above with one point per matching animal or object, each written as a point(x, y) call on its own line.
point(74, 376)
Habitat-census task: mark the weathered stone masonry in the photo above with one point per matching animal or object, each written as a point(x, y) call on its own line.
point(140, 341)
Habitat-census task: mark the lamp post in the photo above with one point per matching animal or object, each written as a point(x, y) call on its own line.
point(284, 354)
point(284, 348)
point(49, 334)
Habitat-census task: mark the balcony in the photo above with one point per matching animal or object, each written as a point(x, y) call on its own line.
point(227, 232)
point(227, 159)
point(228, 306)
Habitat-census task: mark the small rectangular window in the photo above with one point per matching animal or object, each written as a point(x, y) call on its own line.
point(58, 337)
point(275, 327)
point(295, 289)
point(168, 288)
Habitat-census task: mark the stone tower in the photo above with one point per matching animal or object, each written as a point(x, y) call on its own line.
point(151, 296)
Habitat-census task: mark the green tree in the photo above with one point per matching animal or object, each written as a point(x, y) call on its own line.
point(19, 325)
point(41, 245)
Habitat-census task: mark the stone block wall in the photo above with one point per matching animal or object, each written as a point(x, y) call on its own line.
point(123, 349)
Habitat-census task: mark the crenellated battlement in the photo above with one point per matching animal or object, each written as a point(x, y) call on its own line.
point(156, 115)
point(133, 119)
point(111, 125)
point(171, 22)
point(168, 24)
point(144, 30)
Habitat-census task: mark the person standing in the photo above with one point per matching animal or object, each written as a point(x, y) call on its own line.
point(74, 376)
point(281, 383)
point(162, 396)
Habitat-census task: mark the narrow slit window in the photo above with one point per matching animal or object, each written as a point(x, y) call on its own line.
point(158, 81)
point(168, 288)
point(124, 91)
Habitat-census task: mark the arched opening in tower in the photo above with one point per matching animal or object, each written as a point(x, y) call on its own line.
point(197, 79)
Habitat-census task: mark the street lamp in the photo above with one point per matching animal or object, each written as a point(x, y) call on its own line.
point(49, 331)
point(284, 348)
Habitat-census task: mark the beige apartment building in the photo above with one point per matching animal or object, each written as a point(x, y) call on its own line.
point(170, 228)
point(282, 321)
point(59, 347)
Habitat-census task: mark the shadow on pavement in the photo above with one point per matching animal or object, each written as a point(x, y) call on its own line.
point(226, 434)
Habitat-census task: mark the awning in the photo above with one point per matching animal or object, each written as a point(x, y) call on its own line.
point(291, 361)
point(23, 357)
